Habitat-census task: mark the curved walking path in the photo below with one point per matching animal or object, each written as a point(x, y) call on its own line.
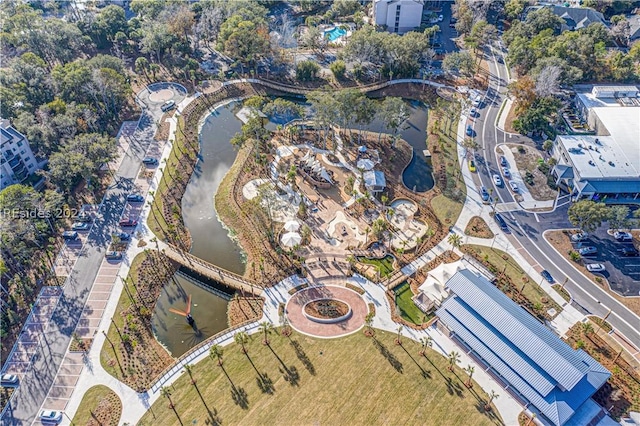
point(300, 322)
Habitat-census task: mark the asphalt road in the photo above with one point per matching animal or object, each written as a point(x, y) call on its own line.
point(527, 228)
point(35, 385)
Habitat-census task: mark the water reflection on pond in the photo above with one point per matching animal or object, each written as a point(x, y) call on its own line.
point(209, 311)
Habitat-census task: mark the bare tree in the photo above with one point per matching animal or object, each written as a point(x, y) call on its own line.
point(548, 81)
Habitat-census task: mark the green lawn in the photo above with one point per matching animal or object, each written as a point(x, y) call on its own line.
point(108, 413)
point(302, 380)
point(448, 205)
point(408, 310)
point(384, 265)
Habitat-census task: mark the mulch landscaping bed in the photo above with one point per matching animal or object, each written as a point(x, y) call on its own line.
point(131, 353)
point(477, 227)
point(107, 412)
point(527, 163)
point(244, 308)
point(621, 393)
point(326, 309)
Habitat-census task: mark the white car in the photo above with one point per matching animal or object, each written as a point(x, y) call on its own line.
point(581, 236)
point(440, 18)
point(50, 416)
point(514, 186)
point(596, 267)
point(9, 380)
point(497, 180)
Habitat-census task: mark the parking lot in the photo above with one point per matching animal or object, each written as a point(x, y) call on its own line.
point(623, 273)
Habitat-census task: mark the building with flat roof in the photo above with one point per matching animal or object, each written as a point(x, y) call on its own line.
point(533, 364)
point(604, 165)
point(17, 160)
point(398, 16)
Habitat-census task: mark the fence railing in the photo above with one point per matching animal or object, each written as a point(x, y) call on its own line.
point(196, 351)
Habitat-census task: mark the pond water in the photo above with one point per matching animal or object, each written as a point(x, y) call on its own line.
point(418, 175)
point(209, 310)
point(211, 242)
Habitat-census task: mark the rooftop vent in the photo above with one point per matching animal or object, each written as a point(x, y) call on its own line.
point(611, 164)
point(597, 150)
point(598, 141)
point(592, 163)
point(601, 158)
point(580, 145)
point(590, 148)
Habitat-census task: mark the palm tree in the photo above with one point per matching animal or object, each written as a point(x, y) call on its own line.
point(455, 240)
point(241, 338)
point(469, 369)
point(166, 392)
point(493, 395)
point(587, 328)
point(216, 352)
point(189, 369)
point(425, 342)
point(399, 336)
point(368, 320)
point(265, 328)
point(454, 358)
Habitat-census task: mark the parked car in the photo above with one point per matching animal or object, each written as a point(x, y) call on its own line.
point(70, 235)
point(148, 161)
point(623, 236)
point(9, 380)
point(503, 161)
point(472, 166)
point(135, 198)
point(580, 236)
point(547, 276)
point(80, 226)
point(588, 251)
point(497, 180)
point(122, 235)
point(113, 255)
point(630, 251)
point(128, 222)
point(469, 130)
point(506, 172)
point(440, 18)
point(50, 416)
point(84, 217)
point(501, 222)
point(484, 194)
point(596, 267)
point(473, 111)
point(167, 106)
point(514, 186)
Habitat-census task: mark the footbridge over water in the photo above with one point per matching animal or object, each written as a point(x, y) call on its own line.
point(210, 270)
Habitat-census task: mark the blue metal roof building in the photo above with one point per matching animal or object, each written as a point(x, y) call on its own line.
point(542, 369)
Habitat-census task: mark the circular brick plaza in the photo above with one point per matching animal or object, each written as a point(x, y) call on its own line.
point(302, 323)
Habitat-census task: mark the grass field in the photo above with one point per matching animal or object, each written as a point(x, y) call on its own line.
point(301, 380)
point(100, 405)
point(408, 310)
point(384, 265)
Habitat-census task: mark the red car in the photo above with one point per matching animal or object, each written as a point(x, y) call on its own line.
point(128, 222)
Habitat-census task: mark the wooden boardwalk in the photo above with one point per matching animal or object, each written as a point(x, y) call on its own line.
point(211, 271)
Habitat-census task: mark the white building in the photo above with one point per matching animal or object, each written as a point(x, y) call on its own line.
point(605, 165)
point(398, 16)
point(18, 162)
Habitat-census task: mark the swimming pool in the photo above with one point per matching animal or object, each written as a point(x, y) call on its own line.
point(334, 33)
